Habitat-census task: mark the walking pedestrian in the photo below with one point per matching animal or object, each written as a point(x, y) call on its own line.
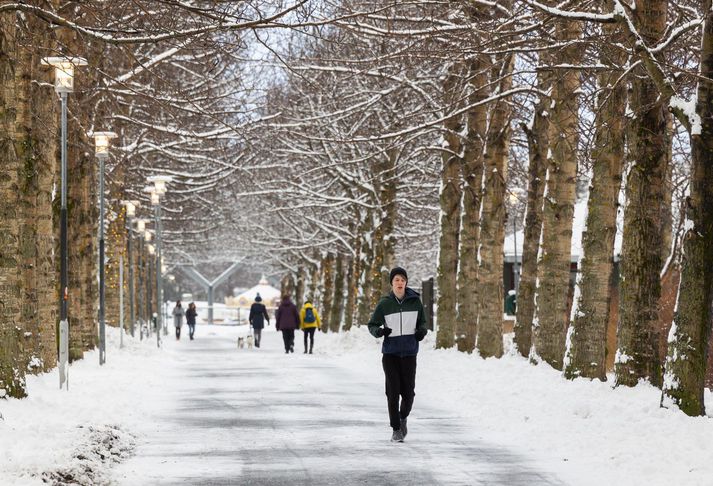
point(258, 316)
point(399, 318)
point(191, 314)
point(309, 323)
point(287, 319)
point(178, 314)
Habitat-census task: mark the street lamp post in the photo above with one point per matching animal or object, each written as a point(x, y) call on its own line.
point(140, 228)
point(158, 190)
point(101, 144)
point(63, 84)
point(152, 252)
point(130, 213)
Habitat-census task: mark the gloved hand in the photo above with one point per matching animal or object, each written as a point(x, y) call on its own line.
point(420, 334)
point(383, 331)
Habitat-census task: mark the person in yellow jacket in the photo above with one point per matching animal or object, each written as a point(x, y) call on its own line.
point(309, 323)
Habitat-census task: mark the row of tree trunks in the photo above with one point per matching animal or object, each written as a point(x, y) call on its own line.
point(638, 335)
point(490, 271)
point(586, 343)
point(450, 200)
point(550, 319)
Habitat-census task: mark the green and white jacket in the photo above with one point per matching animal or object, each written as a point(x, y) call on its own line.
point(404, 318)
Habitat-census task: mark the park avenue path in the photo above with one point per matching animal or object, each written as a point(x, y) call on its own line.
point(233, 416)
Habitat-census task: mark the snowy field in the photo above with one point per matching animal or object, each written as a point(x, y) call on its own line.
point(582, 432)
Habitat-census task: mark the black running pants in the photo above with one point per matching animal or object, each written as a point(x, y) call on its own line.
point(309, 331)
point(400, 376)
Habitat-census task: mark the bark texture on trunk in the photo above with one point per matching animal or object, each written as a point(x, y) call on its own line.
point(450, 199)
point(587, 336)
point(492, 233)
point(638, 335)
point(473, 147)
point(12, 370)
point(554, 266)
point(538, 145)
point(335, 317)
point(685, 367)
point(350, 300)
point(327, 289)
point(300, 287)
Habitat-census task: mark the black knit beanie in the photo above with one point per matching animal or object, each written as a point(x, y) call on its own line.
point(397, 271)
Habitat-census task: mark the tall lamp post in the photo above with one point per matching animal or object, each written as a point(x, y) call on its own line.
point(158, 190)
point(140, 229)
point(130, 213)
point(63, 84)
point(152, 252)
point(101, 148)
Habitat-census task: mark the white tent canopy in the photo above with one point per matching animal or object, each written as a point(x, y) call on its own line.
point(270, 295)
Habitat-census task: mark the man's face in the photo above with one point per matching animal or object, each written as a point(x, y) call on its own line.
point(399, 285)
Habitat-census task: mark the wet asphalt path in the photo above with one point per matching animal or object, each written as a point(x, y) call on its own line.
point(259, 417)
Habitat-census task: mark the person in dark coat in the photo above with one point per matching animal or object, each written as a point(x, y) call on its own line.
point(287, 319)
point(400, 319)
point(258, 316)
point(191, 314)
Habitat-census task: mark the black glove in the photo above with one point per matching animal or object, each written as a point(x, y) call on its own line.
point(420, 334)
point(383, 331)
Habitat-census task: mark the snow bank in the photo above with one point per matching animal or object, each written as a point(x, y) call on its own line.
point(586, 432)
point(71, 436)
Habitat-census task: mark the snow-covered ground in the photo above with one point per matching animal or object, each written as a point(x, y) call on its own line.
point(585, 433)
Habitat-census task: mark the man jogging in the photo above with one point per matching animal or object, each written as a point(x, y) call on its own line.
point(400, 320)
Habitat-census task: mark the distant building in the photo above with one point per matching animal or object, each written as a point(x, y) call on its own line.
point(270, 296)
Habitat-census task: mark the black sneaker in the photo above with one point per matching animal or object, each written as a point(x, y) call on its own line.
point(404, 429)
point(397, 436)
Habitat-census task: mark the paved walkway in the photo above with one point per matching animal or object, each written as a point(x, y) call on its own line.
point(259, 417)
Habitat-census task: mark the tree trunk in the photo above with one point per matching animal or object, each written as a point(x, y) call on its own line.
point(327, 289)
point(450, 198)
point(300, 287)
point(492, 233)
point(350, 300)
point(538, 146)
point(287, 286)
point(554, 266)
point(638, 334)
point(684, 379)
point(12, 369)
point(335, 318)
point(28, 160)
point(364, 307)
point(587, 336)
point(469, 232)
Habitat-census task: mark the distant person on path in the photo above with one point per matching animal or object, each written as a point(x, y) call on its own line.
point(287, 319)
point(191, 314)
point(399, 318)
point(309, 323)
point(178, 314)
point(258, 316)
